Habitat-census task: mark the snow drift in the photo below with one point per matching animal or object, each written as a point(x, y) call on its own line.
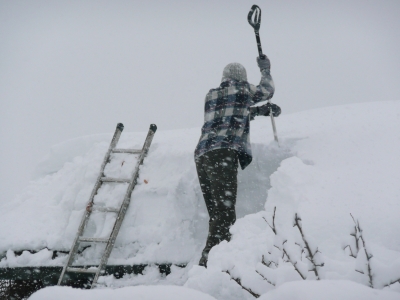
point(332, 162)
point(166, 221)
point(327, 289)
point(128, 293)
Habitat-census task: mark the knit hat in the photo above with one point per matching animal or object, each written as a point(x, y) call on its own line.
point(234, 71)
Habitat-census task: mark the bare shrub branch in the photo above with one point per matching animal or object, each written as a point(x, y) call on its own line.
point(255, 295)
point(367, 255)
point(268, 264)
point(293, 263)
point(273, 222)
point(265, 278)
point(355, 236)
point(311, 255)
point(351, 252)
point(392, 282)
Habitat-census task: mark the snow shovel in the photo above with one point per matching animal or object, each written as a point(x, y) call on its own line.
point(254, 18)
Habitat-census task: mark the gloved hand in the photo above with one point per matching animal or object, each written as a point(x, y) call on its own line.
point(263, 62)
point(264, 110)
point(253, 113)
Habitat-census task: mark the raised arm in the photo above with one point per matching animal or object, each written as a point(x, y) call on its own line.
point(265, 90)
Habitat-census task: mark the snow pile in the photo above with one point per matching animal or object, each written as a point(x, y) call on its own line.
point(332, 162)
point(345, 161)
point(128, 293)
point(327, 290)
point(167, 221)
point(156, 227)
point(307, 290)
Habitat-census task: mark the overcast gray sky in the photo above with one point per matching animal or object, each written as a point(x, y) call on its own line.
point(74, 68)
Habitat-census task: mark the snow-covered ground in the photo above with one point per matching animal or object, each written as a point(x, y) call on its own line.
point(331, 162)
point(297, 290)
point(128, 293)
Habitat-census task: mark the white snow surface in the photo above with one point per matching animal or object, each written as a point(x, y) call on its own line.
point(297, 290)
point(327, 290)
point(139, 292)
point(331, 162)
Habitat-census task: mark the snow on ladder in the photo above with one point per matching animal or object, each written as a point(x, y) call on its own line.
point(121, 211)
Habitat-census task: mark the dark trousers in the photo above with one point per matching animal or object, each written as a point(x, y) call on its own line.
point(217, 172)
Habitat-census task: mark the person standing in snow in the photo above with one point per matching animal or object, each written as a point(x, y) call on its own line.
point(225, 141)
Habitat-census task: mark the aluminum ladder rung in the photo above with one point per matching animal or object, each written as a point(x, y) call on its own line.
point(116, 180)
point(131, 151)
point(105, 209)
point(82, 270)
point(93, 240)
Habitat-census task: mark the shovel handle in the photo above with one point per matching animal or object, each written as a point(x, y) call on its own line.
point(260, 53)
point(254, 18)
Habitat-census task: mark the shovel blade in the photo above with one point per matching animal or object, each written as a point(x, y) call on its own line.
point(254, 17)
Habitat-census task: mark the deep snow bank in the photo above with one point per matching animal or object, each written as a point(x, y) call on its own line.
point(166, 221)
point(346, 160)
point(327, 290)
point(128, 293)
point(332, 162)
point(299, 290)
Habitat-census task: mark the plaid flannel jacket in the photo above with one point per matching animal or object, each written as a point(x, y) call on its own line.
point(227, 116)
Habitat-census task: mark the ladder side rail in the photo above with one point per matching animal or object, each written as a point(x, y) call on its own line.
point(147, 142)
point(113, 143)
point(125, 203)
point(88, 209)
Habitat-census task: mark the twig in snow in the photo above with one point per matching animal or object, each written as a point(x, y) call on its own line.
point(283, 257)
point(308, 248)
point(367, 255)
point(273, 222)
point(302, 250)
point(351, 252)
point(354, 234)
point(246, 289)
point(268, 264)
point(392, 282)
point(293, 263)
point(265, 278)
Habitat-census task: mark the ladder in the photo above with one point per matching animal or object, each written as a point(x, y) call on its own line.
point(91, 206)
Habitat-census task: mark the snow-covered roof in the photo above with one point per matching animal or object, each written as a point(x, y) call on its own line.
point(167, 221)
point(332, 162)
